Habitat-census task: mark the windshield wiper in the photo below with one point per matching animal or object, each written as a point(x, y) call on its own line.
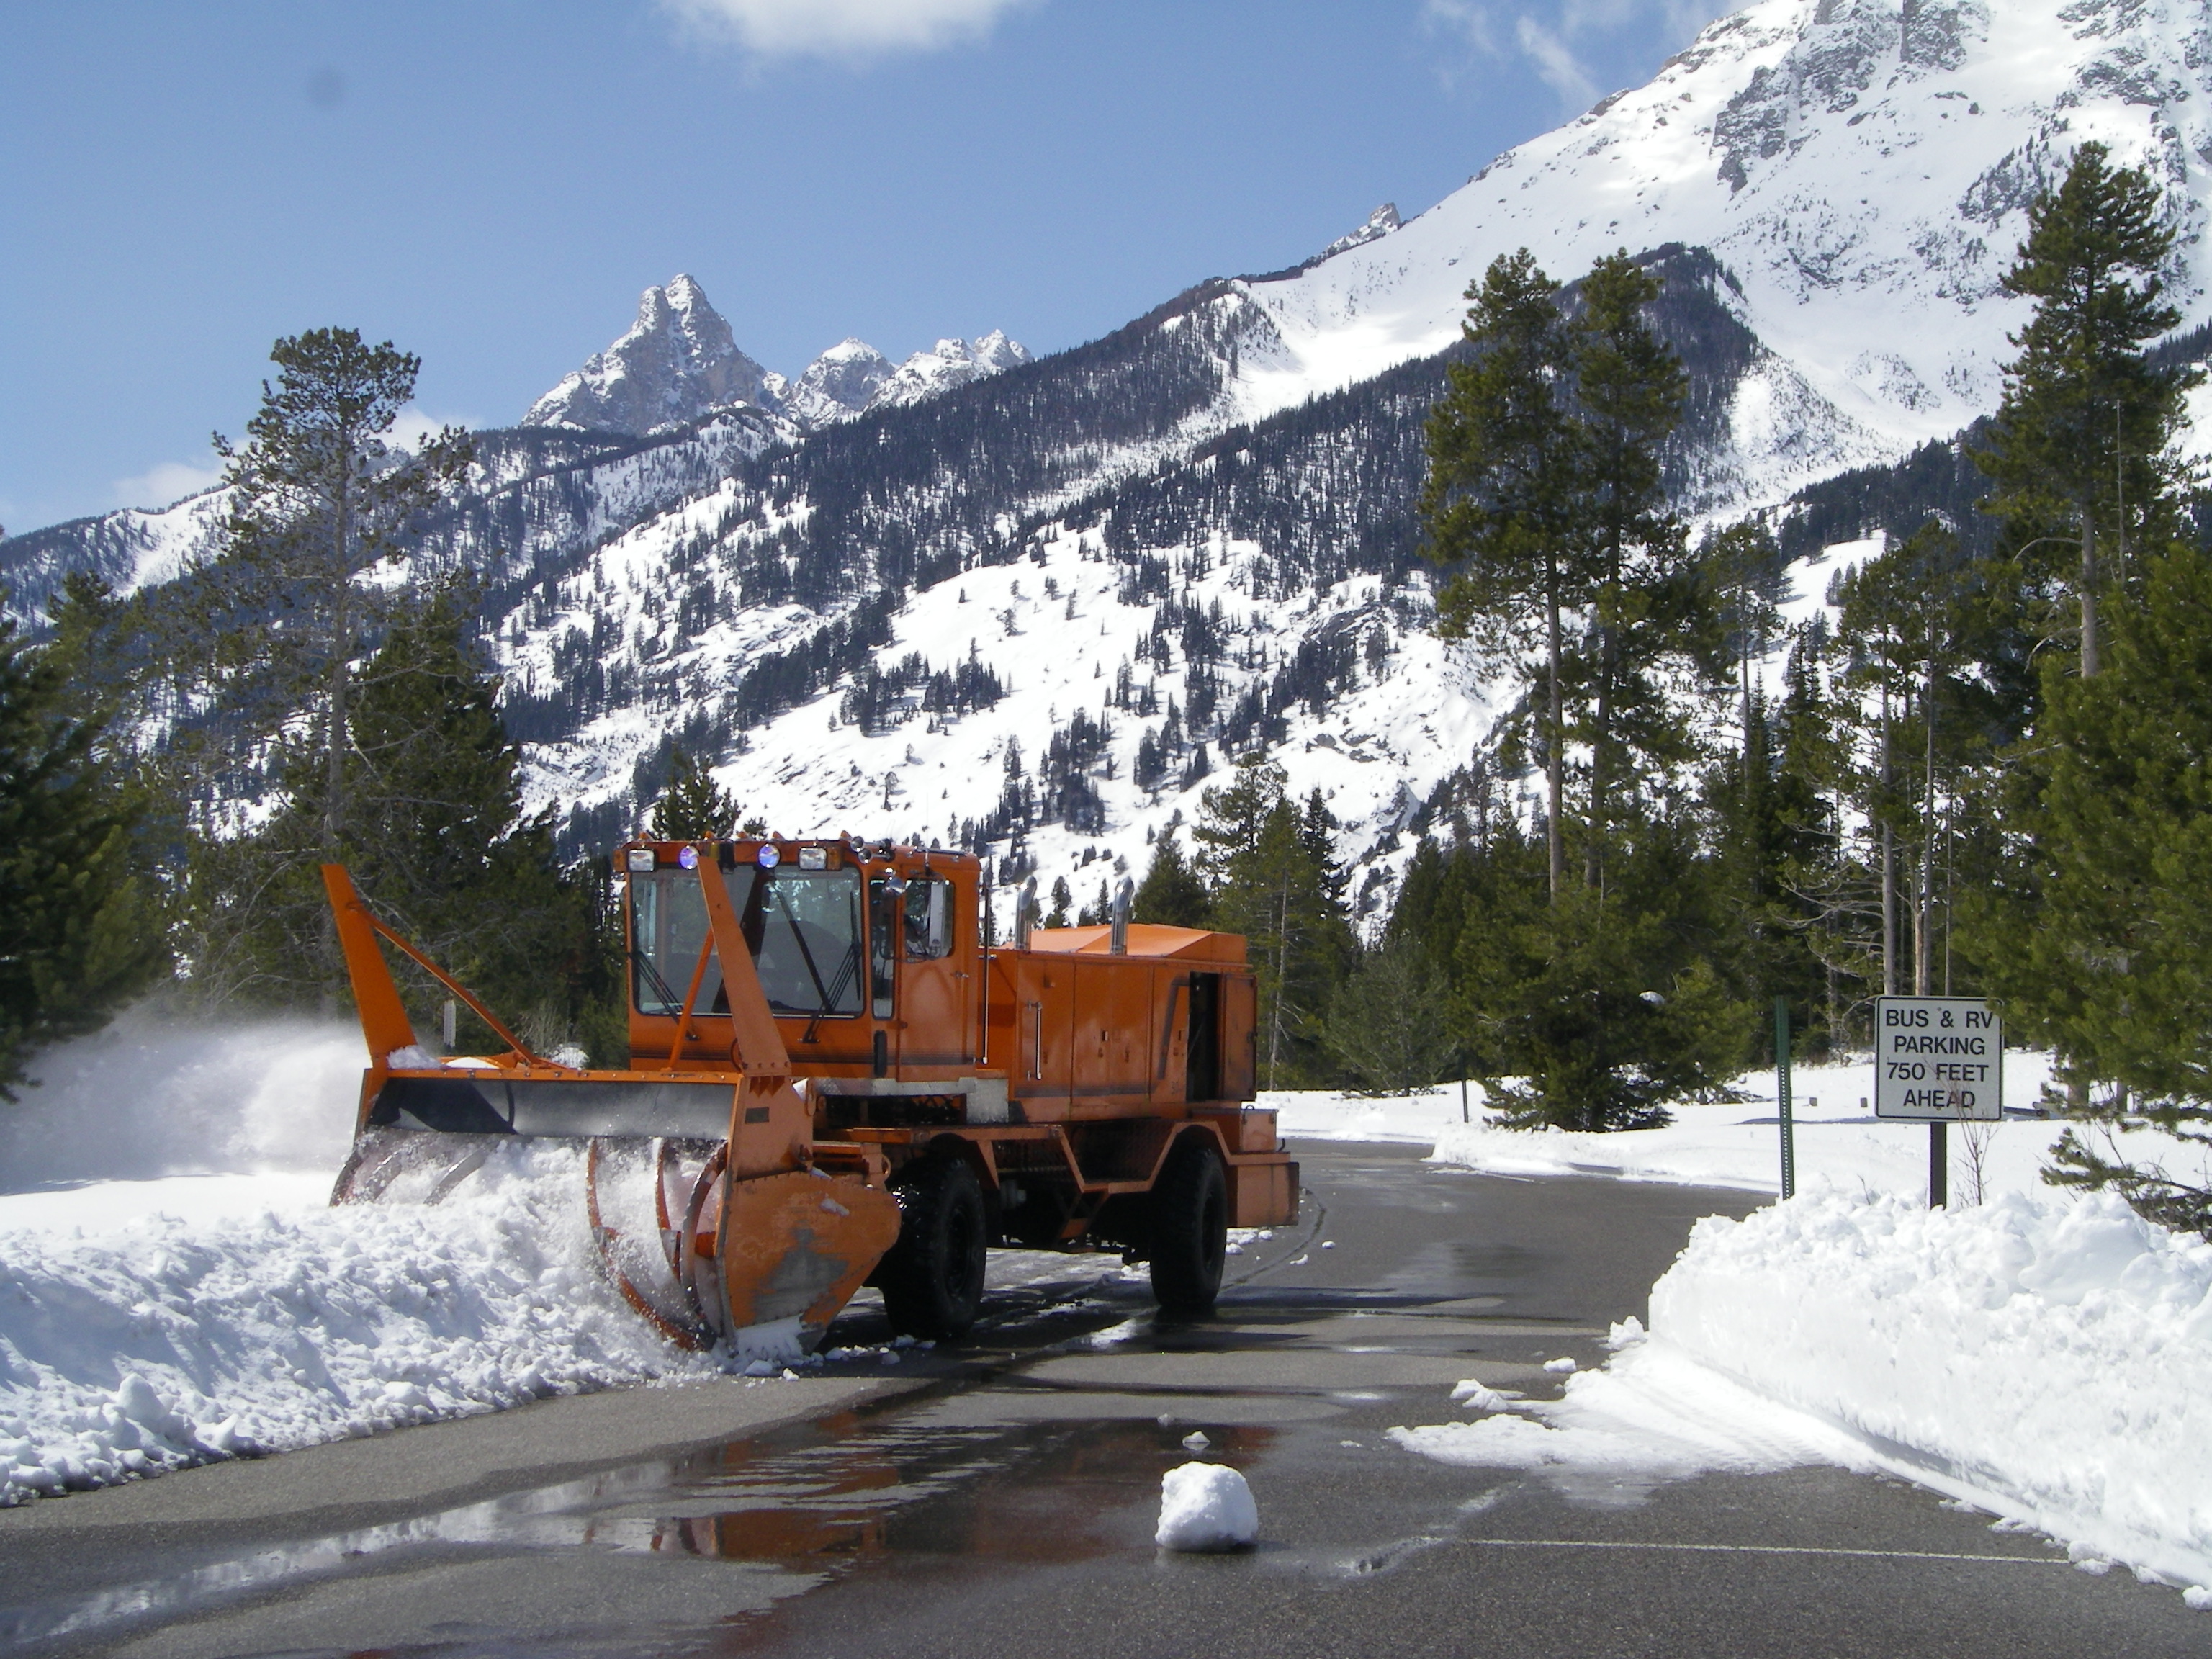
point(661, 988)
point(806, 955)
point(837, 988)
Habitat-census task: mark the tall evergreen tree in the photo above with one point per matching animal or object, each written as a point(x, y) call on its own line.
point(1906, 614)
point(2117, 972)
point(2081, 450)
point(318, 497)
point(1275, 881)
point(694, 807)
point(1644, 598)
point(1502, 506)
point(440, 846)
point(1384, 1026)
point(81, 921)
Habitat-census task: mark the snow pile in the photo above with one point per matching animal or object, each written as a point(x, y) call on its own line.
point(1207, 1506)
point(1651, 1416)
point(2040, 1357)
point(169, 1343)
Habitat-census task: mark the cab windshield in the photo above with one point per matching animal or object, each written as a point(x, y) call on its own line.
point(802, 927)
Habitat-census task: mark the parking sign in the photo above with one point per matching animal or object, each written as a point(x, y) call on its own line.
point(1938, 1058)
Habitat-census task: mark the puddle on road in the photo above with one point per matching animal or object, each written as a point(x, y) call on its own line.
point(809, 1504)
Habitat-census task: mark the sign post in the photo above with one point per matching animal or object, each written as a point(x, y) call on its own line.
point(1782, 1096)
point(1937, 1059)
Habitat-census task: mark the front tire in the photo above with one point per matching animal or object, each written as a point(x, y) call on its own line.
point(1189, 1229)
point(933, 1278)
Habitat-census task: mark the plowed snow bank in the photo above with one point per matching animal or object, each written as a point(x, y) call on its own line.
point(2039, 1358)
point(169, 1342)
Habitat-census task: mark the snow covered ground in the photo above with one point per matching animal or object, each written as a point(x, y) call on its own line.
point(173, 1288)
point(1732, 1144)
point(2030, 1354)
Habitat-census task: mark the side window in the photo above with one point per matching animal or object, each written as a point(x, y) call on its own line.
point(928, 920)
point(882, 947)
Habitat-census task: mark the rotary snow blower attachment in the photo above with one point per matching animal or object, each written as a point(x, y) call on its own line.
point(837, 1077)
point(714, 1217)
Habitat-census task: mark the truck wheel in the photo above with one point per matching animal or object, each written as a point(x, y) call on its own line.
point(1189, 1229)
point(933, 1278)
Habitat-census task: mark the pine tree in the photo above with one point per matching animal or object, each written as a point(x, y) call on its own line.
point(440, 845)
point(1172, 893)
point(694, 807)
point(1644, 596)
point(1592, 1010)
point(81, 922)
point(1924, 717)
point(1275, 881)
point(2081, 448)
point(276, 622)
point(1502, 506)
point(2116, 971)
point(1383, 1026)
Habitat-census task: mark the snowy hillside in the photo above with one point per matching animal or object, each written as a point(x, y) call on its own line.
point(1861, 167)
point(865, 589)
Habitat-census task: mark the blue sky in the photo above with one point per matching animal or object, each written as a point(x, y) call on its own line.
point(490, 182)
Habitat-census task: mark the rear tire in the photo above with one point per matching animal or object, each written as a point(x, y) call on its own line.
point(933, 1278)
point(1189, 1229)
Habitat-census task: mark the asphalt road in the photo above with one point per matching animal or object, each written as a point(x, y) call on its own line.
point(999, 1499)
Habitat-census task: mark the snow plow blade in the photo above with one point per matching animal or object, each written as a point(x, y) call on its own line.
point(713, 1214)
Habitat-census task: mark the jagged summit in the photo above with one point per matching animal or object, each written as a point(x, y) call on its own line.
point(677, 361)
point(1380, 223)
point(836, 386)
point(949, 363)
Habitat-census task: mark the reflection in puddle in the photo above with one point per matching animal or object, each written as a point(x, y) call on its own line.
point(815, 1502)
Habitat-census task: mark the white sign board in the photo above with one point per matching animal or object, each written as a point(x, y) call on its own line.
point(1938, 1058)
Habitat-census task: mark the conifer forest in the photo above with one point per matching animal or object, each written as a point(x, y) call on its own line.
point(1987, 776)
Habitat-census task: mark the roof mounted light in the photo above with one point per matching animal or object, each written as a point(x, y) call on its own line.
point(641, 860)
point(814, 857)
point(687, 856)
point(768, 858)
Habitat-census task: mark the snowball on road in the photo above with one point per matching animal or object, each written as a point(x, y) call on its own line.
point(1207, 1506)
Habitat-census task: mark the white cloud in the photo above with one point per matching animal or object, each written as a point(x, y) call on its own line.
point(416, 423)
point(841, 28)
point(163, 484)
point(1553, 36)
point(1555, 63)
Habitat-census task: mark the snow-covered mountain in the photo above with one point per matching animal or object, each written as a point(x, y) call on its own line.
point(840, 383)
point(1861, 167)
point(680, 361)
point(948, 364)
point(1074, 586)
point(677, 360)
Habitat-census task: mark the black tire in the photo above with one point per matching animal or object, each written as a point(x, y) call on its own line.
point(933, 1278)
point(1189, 1229)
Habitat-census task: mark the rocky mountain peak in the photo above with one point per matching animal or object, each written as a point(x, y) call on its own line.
point(677, 361)
point(949, 363)
point(1380, 223)
point(836, 386)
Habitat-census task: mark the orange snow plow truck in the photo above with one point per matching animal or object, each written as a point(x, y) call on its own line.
point(833, 1080)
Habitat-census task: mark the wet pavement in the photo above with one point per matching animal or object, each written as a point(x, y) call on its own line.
point(1002, 1502)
